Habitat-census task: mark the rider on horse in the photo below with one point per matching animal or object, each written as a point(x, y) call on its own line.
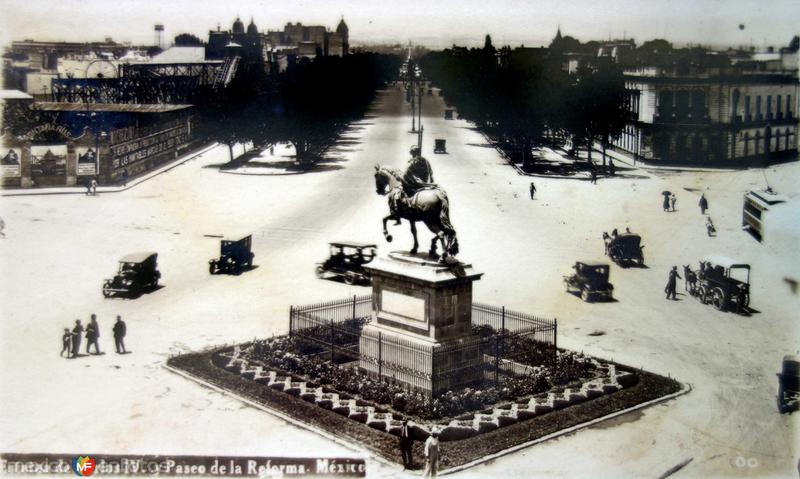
point(418, 174)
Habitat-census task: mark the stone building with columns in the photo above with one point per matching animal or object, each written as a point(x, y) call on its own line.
point(711, 109)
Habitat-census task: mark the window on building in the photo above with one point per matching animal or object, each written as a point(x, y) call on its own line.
point(746, 144)
point(699, 103)
point(778, 140)
point(735, 104)
point(758, 143)
point(758, 106)
point(665, 103)
point(747, 108)
point(682, 104)
point(789, 105)
point(787, 135)
point(778, 105)
point(769, 106)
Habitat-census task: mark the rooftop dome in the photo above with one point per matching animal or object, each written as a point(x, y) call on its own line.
point(252, 29)
point(238, 26)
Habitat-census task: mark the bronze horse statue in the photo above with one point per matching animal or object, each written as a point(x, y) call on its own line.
point(429, 205)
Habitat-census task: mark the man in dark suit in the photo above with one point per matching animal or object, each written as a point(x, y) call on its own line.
point(406, 445)
point(119, 334)
point(77, 332)
point(92, 335)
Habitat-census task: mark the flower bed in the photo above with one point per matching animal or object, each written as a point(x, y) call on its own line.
point(463, 442)
point(299, 358)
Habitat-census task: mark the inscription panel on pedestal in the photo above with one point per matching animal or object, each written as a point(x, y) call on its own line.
point(402, 305)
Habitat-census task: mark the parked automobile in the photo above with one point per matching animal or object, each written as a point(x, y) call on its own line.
point(590, 280)
point(234, 256)
point(346, 261)
point(789, 384)
point(439, 146)
point(723, 283)
point(138, 272)
point(626, 249)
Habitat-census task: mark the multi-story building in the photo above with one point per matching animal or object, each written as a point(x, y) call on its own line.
point(705, 108)
point(295, 38)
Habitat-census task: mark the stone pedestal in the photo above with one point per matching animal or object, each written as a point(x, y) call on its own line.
point(421, 330)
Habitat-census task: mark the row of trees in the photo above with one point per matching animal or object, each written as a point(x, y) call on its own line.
point(524, 98)
point(307, 105)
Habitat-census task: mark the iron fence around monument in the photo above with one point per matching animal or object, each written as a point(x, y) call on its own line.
point(510, 343)
point(333, 325)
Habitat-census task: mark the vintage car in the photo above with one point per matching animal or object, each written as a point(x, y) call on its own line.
point(234, 256)
point(625, 249)
point(138, 272)
point(590, 281)
point(439, 146)
point(723, 283)
point(346, 261)
point(448, 114)
point(789, 384)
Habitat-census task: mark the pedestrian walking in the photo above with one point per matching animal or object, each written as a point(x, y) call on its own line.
point(66, 343)
point(533, 189)
point(94, 186)
point(703, 204)
point(606, 241)
point(666, 194)
point(120, 330)
point(2, 228)
point(593, 172)
point(406, 445)
point(612, 170)
point(92, 335)
point(432, 455)
point(672, 282)
point(88, 184)
point(77, 333)
point(124, 178)
point(672, 200)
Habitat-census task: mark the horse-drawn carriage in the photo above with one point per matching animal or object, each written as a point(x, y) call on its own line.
point(720, 282)
point(625, 249)
point(590, 281)
point(234, 256)
point(346, 261)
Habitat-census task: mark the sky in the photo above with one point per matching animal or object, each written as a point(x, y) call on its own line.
point(435, 24)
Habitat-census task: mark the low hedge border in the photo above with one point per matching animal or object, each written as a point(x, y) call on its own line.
point(453, 453)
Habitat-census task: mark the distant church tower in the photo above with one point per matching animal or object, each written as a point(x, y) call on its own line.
point(344, 34)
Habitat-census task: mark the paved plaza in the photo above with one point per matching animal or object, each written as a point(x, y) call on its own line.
point(59, 248)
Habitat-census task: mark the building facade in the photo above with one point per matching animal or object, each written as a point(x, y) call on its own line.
point(81, 141)
point(717, 115)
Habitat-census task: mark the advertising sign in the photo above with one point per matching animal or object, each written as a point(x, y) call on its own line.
point(87, 160)
point(9, 162)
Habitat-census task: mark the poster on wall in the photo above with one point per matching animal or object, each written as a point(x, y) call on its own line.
point(48, 160)
point(10, 161)
point(87, 160)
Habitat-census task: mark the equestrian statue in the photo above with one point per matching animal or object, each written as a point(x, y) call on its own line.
point(415, 197)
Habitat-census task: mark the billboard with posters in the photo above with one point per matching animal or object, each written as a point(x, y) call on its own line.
point(10, 161)
point(48, 160)
point(87, 160)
